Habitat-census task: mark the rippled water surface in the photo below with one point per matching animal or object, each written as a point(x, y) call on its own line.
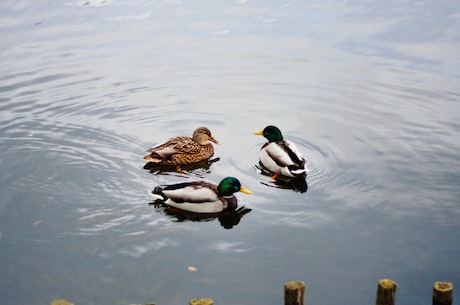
point(368, 90)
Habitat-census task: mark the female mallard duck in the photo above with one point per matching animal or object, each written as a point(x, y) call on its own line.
point(184, 150)
point(280, 156)
point(201, 196)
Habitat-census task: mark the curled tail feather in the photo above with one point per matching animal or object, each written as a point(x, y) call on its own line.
point(159, 192)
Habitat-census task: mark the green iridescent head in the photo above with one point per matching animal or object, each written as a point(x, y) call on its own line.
point(271, 133)
point(230, 185)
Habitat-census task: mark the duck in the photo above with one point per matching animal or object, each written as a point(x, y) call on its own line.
point(280, 156)
point(183, 150)
point(201, 196)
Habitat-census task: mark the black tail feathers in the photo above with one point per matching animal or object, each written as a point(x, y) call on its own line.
point(159, 191)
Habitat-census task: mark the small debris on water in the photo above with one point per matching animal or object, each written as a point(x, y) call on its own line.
point(37, 222)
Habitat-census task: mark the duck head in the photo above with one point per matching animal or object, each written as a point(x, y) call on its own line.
point(203, 136)
point(271, 133)
point(230, 185)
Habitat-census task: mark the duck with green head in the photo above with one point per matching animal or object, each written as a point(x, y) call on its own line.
point(280, 156)
point(201, 196)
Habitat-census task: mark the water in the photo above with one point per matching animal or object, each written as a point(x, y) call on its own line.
point(368, 91)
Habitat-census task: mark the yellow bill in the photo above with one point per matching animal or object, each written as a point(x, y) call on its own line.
point(245, 190)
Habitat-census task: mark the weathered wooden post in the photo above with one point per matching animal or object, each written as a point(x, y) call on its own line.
point(386, 291)
point(60, 302)
point(442, 293)
point(294, 293)
point(205, 301)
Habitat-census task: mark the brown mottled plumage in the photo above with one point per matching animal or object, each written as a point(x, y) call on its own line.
point(184, 150)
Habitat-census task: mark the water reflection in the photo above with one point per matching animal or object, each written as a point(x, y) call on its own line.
point(95, 3)
point(156, 168)
point(298, 184)
point(227, 219)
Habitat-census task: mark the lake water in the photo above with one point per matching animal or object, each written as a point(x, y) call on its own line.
point(368, 90)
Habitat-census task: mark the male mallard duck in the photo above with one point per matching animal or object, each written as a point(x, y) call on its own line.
point(280, 156)
point(201, 196)
point(184, 150)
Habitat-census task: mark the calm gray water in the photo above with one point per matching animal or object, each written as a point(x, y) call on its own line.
point(368, 90)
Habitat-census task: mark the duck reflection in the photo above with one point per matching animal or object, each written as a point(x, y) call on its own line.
point(298, 184)
point(227, 219)
point(157, 168)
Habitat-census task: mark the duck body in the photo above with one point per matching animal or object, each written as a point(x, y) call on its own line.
point(201, 196)
point(281, 156)
point(184, 150)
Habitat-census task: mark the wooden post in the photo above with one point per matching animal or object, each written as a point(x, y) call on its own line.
point(386, 291)
point(294, 293)
point(205, 301)
point(60, 302)
point(442, 293)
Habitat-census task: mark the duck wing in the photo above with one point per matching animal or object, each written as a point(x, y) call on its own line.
point(189, 192)
point(294, 154)
point(284, 153)
point(176, 145)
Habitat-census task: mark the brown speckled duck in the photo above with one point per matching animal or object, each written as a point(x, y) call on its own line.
point(184, 150)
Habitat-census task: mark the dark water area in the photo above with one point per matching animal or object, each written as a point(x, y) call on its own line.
point(369, 91)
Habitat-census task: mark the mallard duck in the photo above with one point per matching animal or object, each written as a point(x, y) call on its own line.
point(280, 156)
point(201, 196)
point(184, 150)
